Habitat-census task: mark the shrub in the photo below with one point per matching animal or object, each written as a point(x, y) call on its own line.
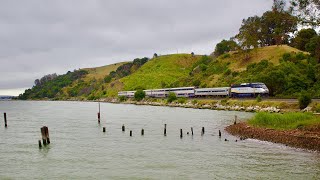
point(107, 79)
point(259, 99)
point(227, 55)
point(182, 100)
point(194, 101)
point(122, 98)
point(171, 97)
point(316, 107)
point(304, 100)
point(139, 95)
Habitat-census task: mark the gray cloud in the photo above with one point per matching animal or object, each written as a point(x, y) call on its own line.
point(40, 37)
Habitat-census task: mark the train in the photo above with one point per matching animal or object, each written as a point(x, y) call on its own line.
point(234, 91)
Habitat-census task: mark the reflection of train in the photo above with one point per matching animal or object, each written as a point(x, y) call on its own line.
point(241, 90)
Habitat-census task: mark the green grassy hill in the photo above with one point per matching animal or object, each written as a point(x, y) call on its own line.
point(160, 72)
point(285, 70)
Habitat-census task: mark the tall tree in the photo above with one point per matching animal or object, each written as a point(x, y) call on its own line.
point(308, 11)
point(250, 33)
point(276, 26)
point(303, 37)
point(314, 47)
point(225, 46)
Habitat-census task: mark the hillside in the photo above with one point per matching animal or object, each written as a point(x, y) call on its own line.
point(285, 70)
point(238, 62)
point(161, 72)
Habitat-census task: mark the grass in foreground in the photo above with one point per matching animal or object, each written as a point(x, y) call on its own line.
point(287, 121)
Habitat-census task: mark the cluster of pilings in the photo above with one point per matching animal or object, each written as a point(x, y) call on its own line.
point(123, 128)
point(46, 139)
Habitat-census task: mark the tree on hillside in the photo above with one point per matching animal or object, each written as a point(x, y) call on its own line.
point(250, 33)
point(272, 28)
point(276, 27)
point(308, 11)
point(303, 37)
point(225, 46)
point(313, 47)
point(155, 55)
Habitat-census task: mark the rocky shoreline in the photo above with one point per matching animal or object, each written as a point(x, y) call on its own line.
point(305, 139)
point(212, 106)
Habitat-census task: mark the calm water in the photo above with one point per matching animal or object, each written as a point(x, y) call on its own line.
point(80, 150)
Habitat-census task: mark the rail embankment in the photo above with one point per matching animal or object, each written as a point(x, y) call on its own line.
point(248, 105)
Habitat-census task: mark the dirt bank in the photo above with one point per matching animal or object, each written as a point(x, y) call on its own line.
point(306, 139)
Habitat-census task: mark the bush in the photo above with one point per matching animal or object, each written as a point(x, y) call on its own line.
point(227, 55)
point(259, 99)
point(171, 97)
point(194, 101)
point(316, 107)
point(304, 100)
point(107, 79)
point(122, 98)
point(139, 95)
point(182, 100)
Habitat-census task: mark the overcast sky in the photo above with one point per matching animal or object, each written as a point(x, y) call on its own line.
point(38, 37)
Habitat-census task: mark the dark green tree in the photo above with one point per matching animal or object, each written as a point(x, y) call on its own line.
point(303, 37)
point(250, 33)
point(139, 95)
point(171, 97)
point(225, 46)
point(313, 47)
point(304, 100)
point(308, 11)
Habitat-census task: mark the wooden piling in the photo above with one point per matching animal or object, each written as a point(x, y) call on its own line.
point(181, 133)
point(165, 130)
point(130, 132)
point(123, 128)
point(99, 114)
point(40, 145)
point(235, 119)
point(219, 133)
point(202, 132)
point(104, 129)
point(5, 119)
point(142, 132)
point(45, 135)
point(192, 131)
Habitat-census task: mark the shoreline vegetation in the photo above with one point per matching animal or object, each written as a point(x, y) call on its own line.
point(295, 129)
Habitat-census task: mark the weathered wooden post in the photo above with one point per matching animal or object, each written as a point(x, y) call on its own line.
point(181, 133)
point(202, 132)
point(123, 128)
point(219, 134)
point(142, 132)
point(39, 142)
point(192, 131)
point(99, 114)
point(130, 132)
point(165, 130)
point(5, 119)
point(104, 129)
point(45, 135)
point(235, 119)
